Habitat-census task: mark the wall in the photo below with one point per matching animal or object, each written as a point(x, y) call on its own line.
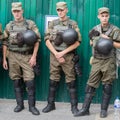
point(85, 13)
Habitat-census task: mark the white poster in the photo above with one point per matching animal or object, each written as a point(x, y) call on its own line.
point(49, 18)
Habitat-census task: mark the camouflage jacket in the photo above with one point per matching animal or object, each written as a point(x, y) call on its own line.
point(56, 26)
point(11, 30)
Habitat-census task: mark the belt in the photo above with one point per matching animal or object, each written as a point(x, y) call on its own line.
point(23, 52)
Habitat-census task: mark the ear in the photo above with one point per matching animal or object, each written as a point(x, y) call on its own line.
point(98, 16)
point(66, 10)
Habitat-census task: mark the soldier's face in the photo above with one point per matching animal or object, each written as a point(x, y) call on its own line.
point(18, 14)
point(62, 13)
point(104, 18)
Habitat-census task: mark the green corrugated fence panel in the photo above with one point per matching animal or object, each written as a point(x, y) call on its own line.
point(85, 13)
point(115, 19)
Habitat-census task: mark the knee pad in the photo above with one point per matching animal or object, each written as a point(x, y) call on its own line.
point(107, 88)
point(89, 89)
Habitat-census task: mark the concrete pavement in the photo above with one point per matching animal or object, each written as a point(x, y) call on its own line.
point(62, 112)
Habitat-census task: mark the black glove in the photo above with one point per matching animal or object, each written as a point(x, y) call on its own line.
point(20, 39)
point(58, 40)
point(36, 69)
point(93, 33)
point(77, 65)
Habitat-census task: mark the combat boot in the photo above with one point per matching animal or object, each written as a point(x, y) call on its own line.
point(51, 97)
point(90, 91)
point(19, 95)
point(31, 97)
point(73, 97)
point(107, 91)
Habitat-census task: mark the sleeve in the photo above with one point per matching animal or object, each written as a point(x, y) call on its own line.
point(34, 27)
point(116, 35)
point(75, 26)
point(48, 31)
point(93, 33)
point(6, 35)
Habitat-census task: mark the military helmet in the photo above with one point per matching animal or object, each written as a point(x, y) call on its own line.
point(70, 36)
point(29, 37)
point(104, 46)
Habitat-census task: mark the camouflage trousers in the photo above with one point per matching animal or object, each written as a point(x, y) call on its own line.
point(67, 68)
point(102, 70)
point(19, 66)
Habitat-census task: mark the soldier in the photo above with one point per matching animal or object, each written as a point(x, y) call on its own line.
point(21, 56)
point(104, 38)
point(62, 48)
point(1, 37)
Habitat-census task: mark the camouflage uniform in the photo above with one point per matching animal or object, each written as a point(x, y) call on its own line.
point(16, 54)
point(1, 37)
point(103, 67)
point(19, 57)
point(55, 27)
point(68, 68)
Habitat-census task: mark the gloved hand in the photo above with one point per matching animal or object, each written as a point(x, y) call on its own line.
point(77, 65)
point(93, 33)
point(20, 39)
point(36, 69)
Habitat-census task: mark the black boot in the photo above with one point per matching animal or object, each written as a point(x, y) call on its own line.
point(51, 97)
point(31, 97)
point(19, 95)
point(90, 91)
point(73, 97)
point(107, 92)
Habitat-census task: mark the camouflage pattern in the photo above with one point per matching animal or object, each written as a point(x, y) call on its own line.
point(16, 6)
point(106, 32)
point(19, 57)
point(103, 67)
point(102, 70)
point(55, 67)
point(103, 9)
point(61, 5)
point(16, 61)
point(11, 31)
point(58, 26)
point(67, 67)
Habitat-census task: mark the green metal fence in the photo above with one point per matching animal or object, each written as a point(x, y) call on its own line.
point(85, 13)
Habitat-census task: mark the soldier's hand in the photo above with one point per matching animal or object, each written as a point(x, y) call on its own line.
point(105, 36)
point(5, 64)
point(32, 61)
point(59, 55)
point(61, 60)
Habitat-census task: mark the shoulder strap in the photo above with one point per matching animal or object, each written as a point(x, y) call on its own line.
point(12, 23)
point(70, 24)
point(98, 28)
point(26, 23)
point(110, 30)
